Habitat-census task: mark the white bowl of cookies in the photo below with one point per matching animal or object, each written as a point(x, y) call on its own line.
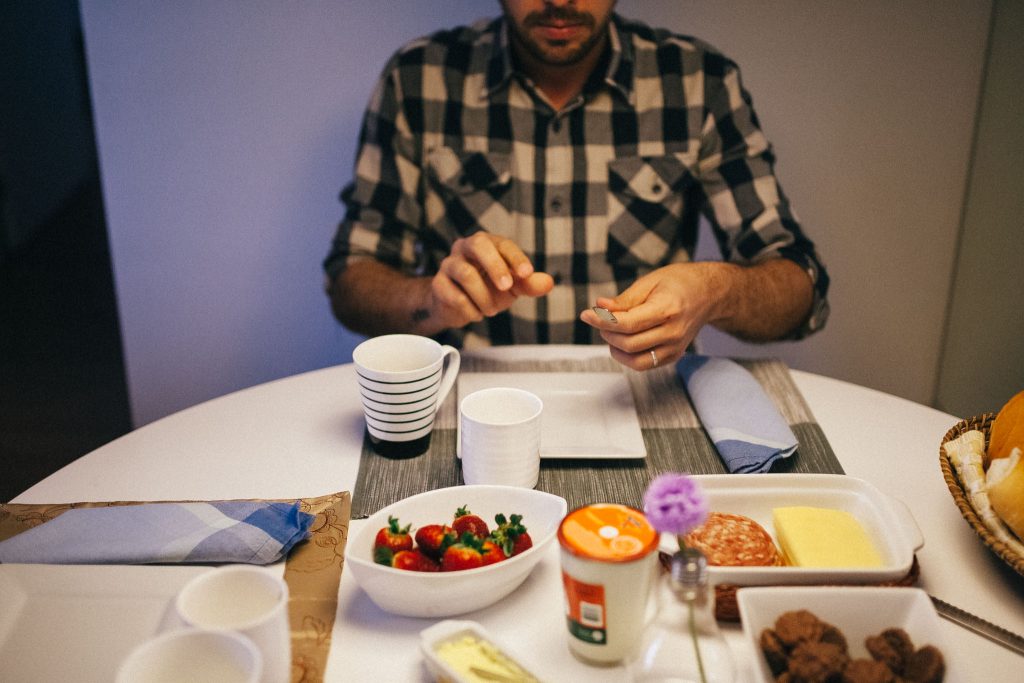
point(861, 632)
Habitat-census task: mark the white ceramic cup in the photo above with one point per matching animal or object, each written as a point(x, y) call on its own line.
point(499, 437)
point(403, 380)
point(193, 655)
point(250, 600)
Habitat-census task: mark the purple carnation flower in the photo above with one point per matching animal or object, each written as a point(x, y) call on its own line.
point(675, 504)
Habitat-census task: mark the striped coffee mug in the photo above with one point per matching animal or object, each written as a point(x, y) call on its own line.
point(403, 380)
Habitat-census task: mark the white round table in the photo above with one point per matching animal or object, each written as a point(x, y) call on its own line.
point(302, 436)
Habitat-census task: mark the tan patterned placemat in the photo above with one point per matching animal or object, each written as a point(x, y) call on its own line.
point(312, 570)
point(672, 433)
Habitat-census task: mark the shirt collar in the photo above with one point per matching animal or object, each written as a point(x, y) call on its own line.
point(618, 75)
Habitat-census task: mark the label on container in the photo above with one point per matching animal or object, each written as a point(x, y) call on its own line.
point(585, 610)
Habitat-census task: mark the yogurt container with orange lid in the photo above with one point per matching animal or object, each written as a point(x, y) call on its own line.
point(608, 565)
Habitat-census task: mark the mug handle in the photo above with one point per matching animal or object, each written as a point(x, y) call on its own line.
point(454, 359)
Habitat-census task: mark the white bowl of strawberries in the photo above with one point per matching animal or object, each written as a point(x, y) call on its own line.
point(452, 550)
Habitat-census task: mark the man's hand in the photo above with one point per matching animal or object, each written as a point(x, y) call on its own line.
point(664, 310)
point(661, 312)
point(481, 277)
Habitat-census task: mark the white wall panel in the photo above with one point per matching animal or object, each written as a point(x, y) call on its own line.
point(983, 356)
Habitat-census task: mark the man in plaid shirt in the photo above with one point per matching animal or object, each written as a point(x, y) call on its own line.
point(514, 173)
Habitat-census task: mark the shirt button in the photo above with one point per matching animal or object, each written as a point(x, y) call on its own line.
point(556, 125)
point(557, 277)
point(556, 204)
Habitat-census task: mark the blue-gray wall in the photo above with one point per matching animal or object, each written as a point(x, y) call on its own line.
point(226, 129)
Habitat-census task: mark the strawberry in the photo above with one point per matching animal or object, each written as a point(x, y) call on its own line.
point(466, 553)
point(511, 535)
point(393, 537)
point(432, 539)
point(492, 552)
point(522, 543)
point(467, 521)
point(411, 560)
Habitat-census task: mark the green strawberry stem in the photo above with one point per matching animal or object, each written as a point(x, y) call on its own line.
point(383, 555)
point(395, 529)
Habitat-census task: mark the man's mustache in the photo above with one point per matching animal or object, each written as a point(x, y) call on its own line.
point(566, 14)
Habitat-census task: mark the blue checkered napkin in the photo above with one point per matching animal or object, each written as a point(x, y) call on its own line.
point(230, 531)
point(741, 420)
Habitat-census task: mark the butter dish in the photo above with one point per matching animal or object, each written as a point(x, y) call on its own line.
point(459, 651)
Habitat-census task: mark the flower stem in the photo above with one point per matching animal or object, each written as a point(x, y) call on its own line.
point(696, 644)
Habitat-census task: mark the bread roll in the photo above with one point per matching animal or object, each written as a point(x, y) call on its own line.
point(1007, 431)
point(1005, 483)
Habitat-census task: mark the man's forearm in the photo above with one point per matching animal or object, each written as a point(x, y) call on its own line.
point(766, 301)
point(371, 298)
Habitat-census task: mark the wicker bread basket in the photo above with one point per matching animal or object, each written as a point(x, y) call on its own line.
point(983, 424)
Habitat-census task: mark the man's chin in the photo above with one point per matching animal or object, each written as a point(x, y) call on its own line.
point(564, 54)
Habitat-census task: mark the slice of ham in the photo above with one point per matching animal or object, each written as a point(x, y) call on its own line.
point(734, 540)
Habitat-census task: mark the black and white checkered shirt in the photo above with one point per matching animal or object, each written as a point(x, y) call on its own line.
point(456, 140)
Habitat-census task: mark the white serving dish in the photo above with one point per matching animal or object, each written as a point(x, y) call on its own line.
point(857, 611)
point(78, 622)
point(443, 594)
point(586, 414)
point(433, 637)
point(887, 521)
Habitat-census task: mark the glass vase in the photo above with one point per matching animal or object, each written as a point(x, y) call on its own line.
point(682, 642)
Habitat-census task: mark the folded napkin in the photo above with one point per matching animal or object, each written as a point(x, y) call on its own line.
point(227, 531)
point(741, 420)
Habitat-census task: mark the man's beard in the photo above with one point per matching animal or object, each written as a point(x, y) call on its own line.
point(539, 51)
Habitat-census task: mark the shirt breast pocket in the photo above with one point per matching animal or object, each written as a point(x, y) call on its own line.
point(645, 209)
point(469, 191)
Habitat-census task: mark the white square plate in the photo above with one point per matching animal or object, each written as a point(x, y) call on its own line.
point(77, 622)
point(886, 520)
point(858, 612)
point(586, 414)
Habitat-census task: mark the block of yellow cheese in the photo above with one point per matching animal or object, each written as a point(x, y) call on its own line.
point(823, 537)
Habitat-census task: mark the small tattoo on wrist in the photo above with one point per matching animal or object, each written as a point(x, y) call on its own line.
point(420, 314)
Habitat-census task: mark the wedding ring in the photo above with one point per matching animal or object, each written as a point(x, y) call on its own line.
point(654, 359)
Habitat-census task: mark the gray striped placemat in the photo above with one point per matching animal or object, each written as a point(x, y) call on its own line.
point(673, 435)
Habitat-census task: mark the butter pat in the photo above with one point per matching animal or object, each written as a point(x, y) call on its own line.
point(823, 537)
point(463, 652)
